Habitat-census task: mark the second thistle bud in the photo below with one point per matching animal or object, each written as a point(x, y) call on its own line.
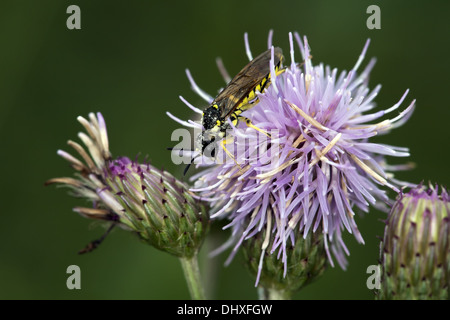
point(415, 251)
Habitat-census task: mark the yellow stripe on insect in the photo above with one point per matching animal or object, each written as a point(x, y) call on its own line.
point(263, 82)
point(250, 96)
point(238, 111)
point(242, 107)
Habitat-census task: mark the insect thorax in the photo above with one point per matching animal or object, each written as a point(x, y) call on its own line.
point(210, 117)
point(214, 127)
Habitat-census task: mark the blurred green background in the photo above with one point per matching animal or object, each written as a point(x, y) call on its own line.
point(128, 62)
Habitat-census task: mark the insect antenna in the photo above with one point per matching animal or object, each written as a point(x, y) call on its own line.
point(180, 150)
point(189, 164)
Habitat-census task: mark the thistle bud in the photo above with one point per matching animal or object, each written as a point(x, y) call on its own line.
point(415, 259)
point(157, 206)
point(137, 197)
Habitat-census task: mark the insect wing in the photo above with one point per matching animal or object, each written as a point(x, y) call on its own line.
point(245, 81)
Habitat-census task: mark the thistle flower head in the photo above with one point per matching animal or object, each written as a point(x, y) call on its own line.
point(137, 197)
point(315, 166)
point(415, 251)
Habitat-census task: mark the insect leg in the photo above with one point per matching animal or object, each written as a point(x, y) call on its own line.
point(249, 123)
point(94, 244)
point(223, 143)
point(279, 71)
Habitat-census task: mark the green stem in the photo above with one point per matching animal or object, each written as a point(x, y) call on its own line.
point(262, 293)
point(211, 265)
point(192, 275)
point(275, 294)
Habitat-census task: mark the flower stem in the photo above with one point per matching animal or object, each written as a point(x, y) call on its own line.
point(192, 275)
point(276, 294)
point(262, 293)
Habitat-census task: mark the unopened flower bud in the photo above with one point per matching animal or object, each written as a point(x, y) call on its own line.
point(415, 257)
point(137, 197)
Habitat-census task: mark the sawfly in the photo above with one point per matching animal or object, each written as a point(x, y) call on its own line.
point(239, 95)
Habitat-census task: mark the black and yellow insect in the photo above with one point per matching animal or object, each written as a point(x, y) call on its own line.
point(239, 95)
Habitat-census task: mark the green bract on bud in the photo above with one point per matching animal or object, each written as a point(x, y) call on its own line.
point(415, 259)
point(305, 260)
point(137, 197)
point(156, 205)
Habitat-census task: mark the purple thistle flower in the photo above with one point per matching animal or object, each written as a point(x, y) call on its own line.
point(317, 165)
point(137, 197)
